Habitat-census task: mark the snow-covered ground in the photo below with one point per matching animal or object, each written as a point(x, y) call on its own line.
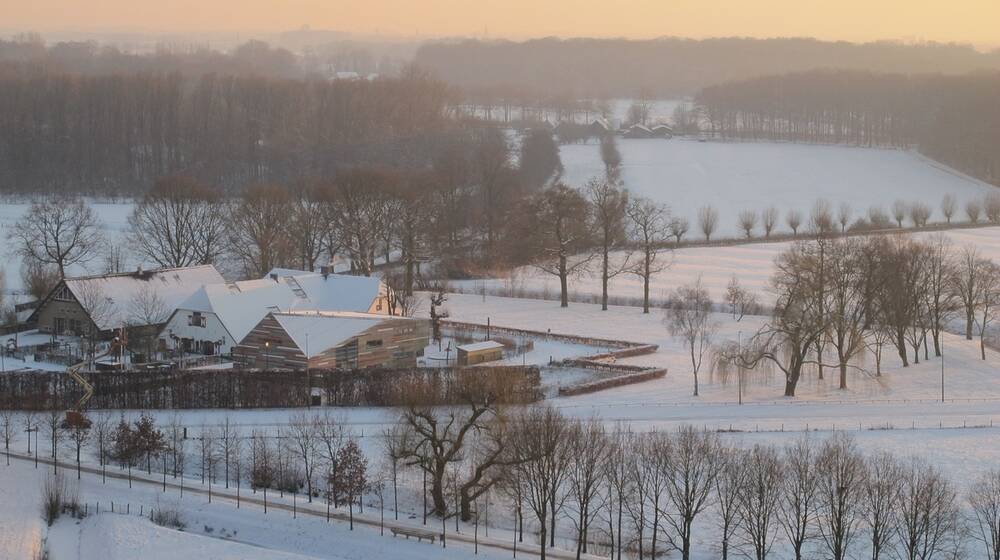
point(735, 176)
point(112, 215)
point(751, 263)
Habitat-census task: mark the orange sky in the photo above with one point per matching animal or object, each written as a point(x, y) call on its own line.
point(970, 21)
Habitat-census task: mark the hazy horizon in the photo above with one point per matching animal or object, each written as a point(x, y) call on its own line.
point(963, 21)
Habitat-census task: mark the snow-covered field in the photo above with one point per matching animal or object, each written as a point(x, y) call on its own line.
point(736, 176)
point(752, 263)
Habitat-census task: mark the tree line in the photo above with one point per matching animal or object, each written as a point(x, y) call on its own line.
point(953, 119)
point(115, 134)
point(611, 490)
point(672, 67)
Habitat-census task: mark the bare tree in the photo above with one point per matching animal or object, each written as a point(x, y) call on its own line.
point(78, 434)
point(899, 210)
point(741, 301)
point(747, 220)
point(984, 499)
point(708, 219)
point(880, 501)
point(619, 484)
point(840, 471)
point(846, 303)
point(941, 303)
point(688, 315)
point(799, 492)
point(988, 303)
point(967, 284)
point(973, 209)
point(441, 437)
point(228, 446)
point(611, 157)
point(589, 447)
point(39, 279)
point(794, 220)
point(678, 228)
point(147, 308)
point(539, 445)
point(948, 207)
point(394, 445)
point(928, 520)
point(729, 487)
point(60, 232)
point(920, 213)
point(797, 321)
point(649, 225)
point(769, 219)
point(308, 227)
point(258, 233)
point(609, 205)
point(304, 440)
point(991, 207)
point(561, 235)
point(760, 501)
point(693, 464)
point(7, 428)
point(844, 216)
point(178, 223)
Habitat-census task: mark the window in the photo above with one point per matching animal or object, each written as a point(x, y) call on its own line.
point(373, 343)
point(196, 319)
point(63, 294)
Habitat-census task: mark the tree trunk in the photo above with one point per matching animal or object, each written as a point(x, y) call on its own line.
point(604, 279)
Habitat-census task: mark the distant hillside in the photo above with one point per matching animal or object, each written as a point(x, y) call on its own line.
point(671, 66)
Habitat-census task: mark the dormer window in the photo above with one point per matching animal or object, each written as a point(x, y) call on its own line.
point(196, 319)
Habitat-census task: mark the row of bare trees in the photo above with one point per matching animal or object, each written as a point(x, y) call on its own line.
point(642, 495)
point(629, 494)
point(837, 298)
point(824, 220)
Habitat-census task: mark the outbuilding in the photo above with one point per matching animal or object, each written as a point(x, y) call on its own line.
point(480, 352)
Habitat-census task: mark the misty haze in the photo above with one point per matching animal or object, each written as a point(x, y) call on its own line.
point(449, 279)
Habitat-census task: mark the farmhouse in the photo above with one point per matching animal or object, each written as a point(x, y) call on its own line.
point(218, 316)
point(480, 352)
point(346, 340)
point(96, 305)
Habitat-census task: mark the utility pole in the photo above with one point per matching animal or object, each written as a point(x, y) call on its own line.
point(942, 369)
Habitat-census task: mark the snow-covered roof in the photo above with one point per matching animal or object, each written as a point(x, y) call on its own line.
point(330, 292)
point(478, 346)
point(119, 296)
point(317, 332)
point(241, 305)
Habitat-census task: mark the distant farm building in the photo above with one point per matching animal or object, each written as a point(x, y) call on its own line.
point(297, 340)
point(480, 352)
point(217, 317)
point(638, 131)
point(662, 131)
point(97, 305)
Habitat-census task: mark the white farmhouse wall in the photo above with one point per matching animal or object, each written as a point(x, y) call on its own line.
point(211, 332)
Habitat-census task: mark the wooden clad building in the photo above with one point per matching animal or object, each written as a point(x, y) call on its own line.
point(327, 340)
point(480, 352)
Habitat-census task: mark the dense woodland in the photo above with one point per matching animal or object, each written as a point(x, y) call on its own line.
point(672, 67)
point(117, 133)
point(953, 119)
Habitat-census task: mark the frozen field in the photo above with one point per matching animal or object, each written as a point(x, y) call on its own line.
point(751, 263)
point(687, 175)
